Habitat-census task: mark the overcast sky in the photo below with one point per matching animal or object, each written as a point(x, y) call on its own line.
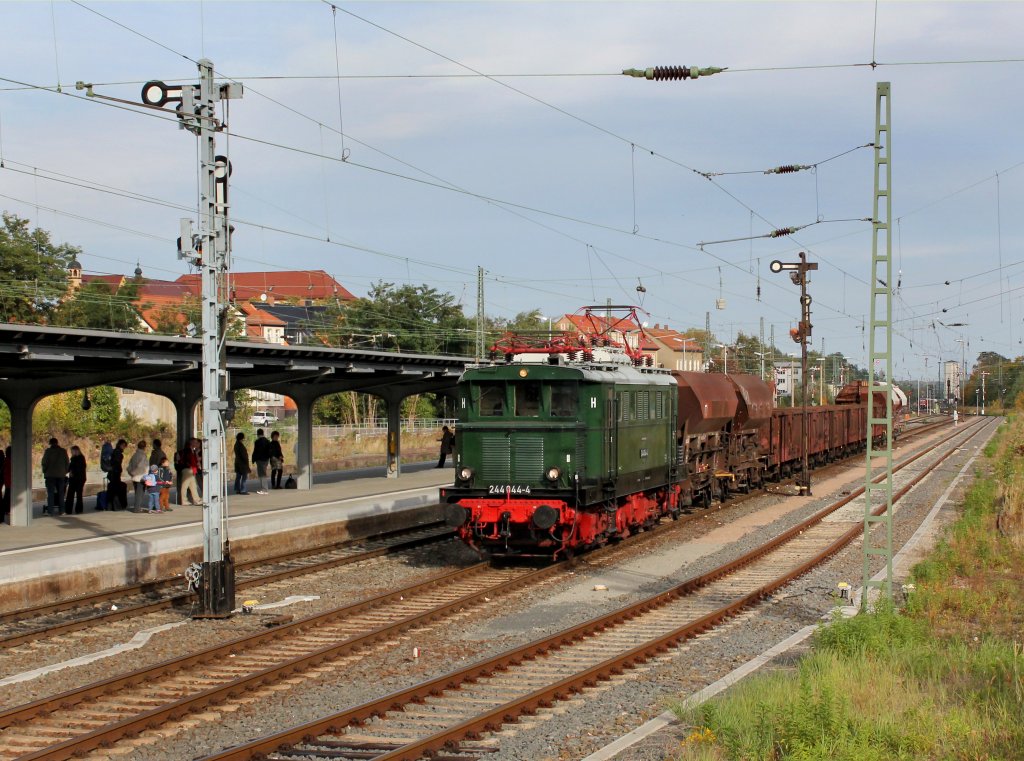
point(567, 182)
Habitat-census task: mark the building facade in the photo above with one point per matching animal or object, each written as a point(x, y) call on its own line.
point(788, 376)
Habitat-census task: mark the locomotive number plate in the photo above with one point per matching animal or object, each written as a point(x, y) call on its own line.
point(507, 489)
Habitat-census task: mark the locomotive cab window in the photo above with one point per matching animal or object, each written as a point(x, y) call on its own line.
point(492, 399)
point(527, 400)
point(564, 399)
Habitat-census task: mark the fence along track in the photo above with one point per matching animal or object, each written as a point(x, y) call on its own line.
point(29, 624)
point(403, 726)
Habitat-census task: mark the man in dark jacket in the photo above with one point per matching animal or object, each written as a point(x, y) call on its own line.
point(76, 482)
point(55, 475)
point(241, 463)
point(117, 491)
point(261, 459)
point(276, 460)
point(447, 444)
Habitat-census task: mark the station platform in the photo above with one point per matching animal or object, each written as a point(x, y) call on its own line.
point(59, 557)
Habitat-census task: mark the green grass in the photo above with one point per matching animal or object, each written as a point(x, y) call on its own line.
point(942, 679)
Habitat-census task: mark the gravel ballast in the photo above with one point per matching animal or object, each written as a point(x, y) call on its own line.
point(569, 730)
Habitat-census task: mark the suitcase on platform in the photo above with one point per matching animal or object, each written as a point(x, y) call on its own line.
point(101, 501)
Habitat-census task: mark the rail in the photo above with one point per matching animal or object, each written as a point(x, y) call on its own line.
point(647, 612)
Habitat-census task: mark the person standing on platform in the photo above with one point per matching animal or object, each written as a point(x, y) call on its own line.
point(76, 482)
point(55, 472)
point(106, 451)
point(5, 502)
point(158, 455)
point(138, 467)
point(152, 486)
point(276, 460)
point(165, 476)
point(197, 448)
point(447, 444)
point(261, 459)
point(241, 464)
point(117, 490)
point(188, 465)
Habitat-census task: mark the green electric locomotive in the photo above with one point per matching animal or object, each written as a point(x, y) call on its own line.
point(562, 447)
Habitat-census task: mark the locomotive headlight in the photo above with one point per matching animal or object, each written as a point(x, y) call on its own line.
point(553, 474)
point(465, 474)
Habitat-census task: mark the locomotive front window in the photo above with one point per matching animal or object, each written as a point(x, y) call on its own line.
point(564, 400)
point(527, 400)
point(492, 399)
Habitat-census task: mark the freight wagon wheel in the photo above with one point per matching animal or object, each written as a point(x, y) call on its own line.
point(705, 498)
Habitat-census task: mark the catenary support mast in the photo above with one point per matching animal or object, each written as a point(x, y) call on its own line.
point(880, 382)
point(210, 251)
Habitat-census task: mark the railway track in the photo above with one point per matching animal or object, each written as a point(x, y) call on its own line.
point(445, 717)
point(98, 714)
point(30, 624)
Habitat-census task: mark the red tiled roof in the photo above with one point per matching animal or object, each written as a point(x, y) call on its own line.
point(152, 306)
point(674, 340)
point(114, 281)
point(287, 284)
point(165, 290)
point(598, 323)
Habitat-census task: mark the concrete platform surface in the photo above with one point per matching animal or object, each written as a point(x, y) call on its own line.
point(58, 557)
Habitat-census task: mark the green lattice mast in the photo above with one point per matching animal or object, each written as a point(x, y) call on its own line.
point(880, 354)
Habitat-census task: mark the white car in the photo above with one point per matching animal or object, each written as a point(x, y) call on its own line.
point(263, 418)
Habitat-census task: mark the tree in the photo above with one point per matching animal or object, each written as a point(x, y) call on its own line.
point(34, 271)
point(96, 306)
point(416, 319)
point(1003, 379)
point(532, 321)
point(345, 408)
point(175, 320)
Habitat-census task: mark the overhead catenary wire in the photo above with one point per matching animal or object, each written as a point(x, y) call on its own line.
point(786, 168)
point(79, 182)
point(728, 193)
point(562, 111)
point(844, 274)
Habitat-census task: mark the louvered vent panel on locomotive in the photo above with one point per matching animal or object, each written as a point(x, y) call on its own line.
point(495, 457)
point(527, 458)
